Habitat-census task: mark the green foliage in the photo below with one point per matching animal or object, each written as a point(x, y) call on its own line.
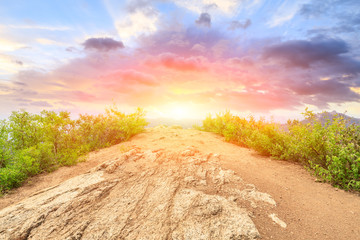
point(331, 150)
point(35, 143)
point(5, 154)
point(11, 177)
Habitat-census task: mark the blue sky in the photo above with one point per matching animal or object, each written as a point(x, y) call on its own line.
point(181, 57)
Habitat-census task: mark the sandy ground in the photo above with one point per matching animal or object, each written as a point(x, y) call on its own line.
point(311, 210)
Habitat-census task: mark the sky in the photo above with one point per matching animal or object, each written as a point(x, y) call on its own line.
point(180, 58)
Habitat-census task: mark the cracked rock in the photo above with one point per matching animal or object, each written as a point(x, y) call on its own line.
point(139, 195)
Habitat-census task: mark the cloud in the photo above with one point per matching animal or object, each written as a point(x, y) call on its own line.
point(41, 104)
point(45, 41)
point(145, 6)
point(243, 62)
point(332, 88)
point(347, 22)
point(324, 31)
point(175, 62)
point(9, 64)
point(138, 17)
point(71, 49)
point(355, 19)
point(170, 59)
point(304, 53)
point(318, 8)
point(9, 45)
point(204, 20)
point(189, 41)
point(82, 96)
point(102, 44)
point(284, 13)
point(65, 103)
point(41, 27)
point(228, 7)
point(199, 48)
point(124, 80)
point(18, 62)
point(236, 24)
point(313, 10)
point(211, 6)
point(245, 100)
point(318, 71)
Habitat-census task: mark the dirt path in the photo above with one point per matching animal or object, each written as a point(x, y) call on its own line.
point(311, 210)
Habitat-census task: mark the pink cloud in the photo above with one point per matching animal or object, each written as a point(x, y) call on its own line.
point(176, 62)
point(130, 77)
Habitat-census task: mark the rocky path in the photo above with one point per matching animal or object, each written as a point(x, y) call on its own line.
point(178, 184)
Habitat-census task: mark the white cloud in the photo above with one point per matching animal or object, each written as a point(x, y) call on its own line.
point(8, 64)
point(8, 45)
point(41, 27)
point(227, 7)
point(46, 41)
point(131, 24)
point(285, 12)
point(135, 24)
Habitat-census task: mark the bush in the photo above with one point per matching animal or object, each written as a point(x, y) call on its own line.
point(330, 150)
point(10, 177)
point(35, 143)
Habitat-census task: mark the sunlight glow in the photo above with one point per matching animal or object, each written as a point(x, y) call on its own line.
point(178, 111)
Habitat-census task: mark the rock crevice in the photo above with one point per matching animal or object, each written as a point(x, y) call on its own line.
point(141, 195)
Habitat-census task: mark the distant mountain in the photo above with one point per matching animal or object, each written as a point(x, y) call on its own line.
point(325, 116)
point(185, 123)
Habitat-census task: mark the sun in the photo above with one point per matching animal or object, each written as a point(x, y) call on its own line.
point(179, 112)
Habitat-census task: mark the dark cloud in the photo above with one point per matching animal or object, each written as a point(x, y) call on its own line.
point(187, 42)
point(318, 71)
point(236, 24)
point(318, 8)
point(347, 25)
point(71, 49)
point(355, 20)
point(204, 20)
point(345, 21)
point(102, 44)
point(332, 88)
point(19, 83)
point(315, 9)
point(303, 53)
point(19, 62)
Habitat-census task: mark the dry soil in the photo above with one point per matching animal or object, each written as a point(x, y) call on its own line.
point(308, 209)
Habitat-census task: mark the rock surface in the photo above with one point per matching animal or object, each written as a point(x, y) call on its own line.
point(141, 195)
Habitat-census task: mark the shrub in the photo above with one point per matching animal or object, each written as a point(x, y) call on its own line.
point(35, 143)
point(10, 177)
point(331, 150)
